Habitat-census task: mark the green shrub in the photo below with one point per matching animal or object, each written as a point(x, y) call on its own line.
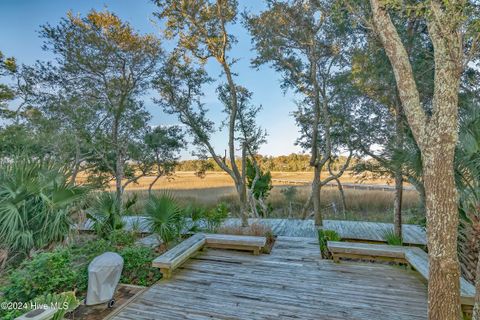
point(36, 204)
point(323, 237)
point(392, 239)
point(137, 267)
point(215, 217)
point(82, 254)
point(204, 219)
point(122, 238)
point(45, 273)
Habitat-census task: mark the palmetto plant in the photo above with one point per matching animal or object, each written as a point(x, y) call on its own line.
point(165, 217)
point(36, 204)
point(106, 213)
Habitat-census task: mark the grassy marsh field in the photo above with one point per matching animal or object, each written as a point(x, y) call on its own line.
point(369, 205)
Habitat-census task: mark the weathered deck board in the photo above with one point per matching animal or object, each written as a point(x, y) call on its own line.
point(375, 231)
point(290, 283)
point(350, 230)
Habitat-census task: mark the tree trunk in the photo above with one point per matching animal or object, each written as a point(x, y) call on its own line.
point(397, 212)
point(316, 188)
point(342, 196)
point(76, 163)
point(436, 136)
point(118, 181)
point(442, 221)
point(306, 206)
point(150, 186)
point(476, 307)
point(242, 194)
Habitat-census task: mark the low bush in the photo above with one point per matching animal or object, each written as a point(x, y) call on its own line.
point(215, 217)
point(122, 238)
point(204, 219)
point(44, 273)
point(137, 266)
point(323, 237)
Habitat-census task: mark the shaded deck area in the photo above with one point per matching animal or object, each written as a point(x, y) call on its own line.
point(348, 230)
point(290, 283)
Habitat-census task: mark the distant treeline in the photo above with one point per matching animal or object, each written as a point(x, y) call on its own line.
point(289, 163)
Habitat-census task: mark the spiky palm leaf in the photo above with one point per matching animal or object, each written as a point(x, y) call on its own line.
point(165, 217)
point(36, 203)
point(105, 214)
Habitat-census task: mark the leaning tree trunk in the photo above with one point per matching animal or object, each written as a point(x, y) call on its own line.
point(316, 188)
point(476, 307)
point(442, 221)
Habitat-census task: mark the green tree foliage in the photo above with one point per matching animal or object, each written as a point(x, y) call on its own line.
point(263, 183)
point(7, 67)
point(300, 40)
point(162, 146)
point(36, 204)
point(201, 30)
point(110, 66)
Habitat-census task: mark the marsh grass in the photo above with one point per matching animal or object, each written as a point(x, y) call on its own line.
point(365, 205)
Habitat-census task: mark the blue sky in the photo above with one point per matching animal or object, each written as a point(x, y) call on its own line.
point(20, 21)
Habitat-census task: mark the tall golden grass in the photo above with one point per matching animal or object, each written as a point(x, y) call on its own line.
point(368, 205)
point(213, 179)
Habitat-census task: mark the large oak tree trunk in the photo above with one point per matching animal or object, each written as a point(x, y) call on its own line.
point(436, 136)
point(442, 221)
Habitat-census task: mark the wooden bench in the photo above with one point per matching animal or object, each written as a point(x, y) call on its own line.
point(357, 250)
point(413, 256)
point(174, 257)
point(228, 241)
point(418, 259)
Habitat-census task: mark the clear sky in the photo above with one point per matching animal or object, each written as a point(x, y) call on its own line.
point(19, 25)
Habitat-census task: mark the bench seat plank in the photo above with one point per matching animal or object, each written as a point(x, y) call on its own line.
point(235, 239)
point(366, 249)
point(236, 242)
point(177, 255)
point(418, 259)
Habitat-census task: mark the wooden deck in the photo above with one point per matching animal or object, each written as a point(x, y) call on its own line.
point(350, 230)
point(290, 283)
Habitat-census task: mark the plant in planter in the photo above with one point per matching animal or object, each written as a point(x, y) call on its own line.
point(323, 237)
